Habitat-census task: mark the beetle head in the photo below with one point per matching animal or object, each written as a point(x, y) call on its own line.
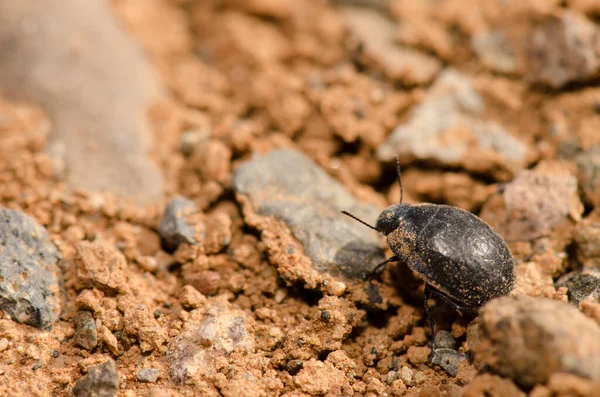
point(389, 220)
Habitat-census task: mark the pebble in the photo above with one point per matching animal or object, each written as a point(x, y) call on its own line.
point(588, 167)
point(102, 266)
point(28, 282)
point(138, 321)
point(563, 48)
point(582, 284)
point(377, 35)
point(448, 128)
point(286, 185)
point(86, 334)
point(206, 282)
point(444, 340)
point(100, 381)
point(147, 375)
point(174, 229)
point(221, 331)
point(448, 359)
point(191, 298)
point(4, 344)
point(63, 56)
point(529, 339)
point(495, 51)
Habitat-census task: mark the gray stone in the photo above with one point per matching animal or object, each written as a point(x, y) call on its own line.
point(452, 106)
point(100, 381)
point(28, 268)
point(563, 48)
point(86, 334)
point(147, 375)
point(448, 359)
point(444, 340)
point(529, 339)
point(582, 284)
point(288, 186)
point(95, 83)
point(173, 228)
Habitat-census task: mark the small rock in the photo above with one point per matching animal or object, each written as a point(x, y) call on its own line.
point(287, 186)
point(563, 48)
point(377, 37)
point(109, 340)
point(529, 339)
point(173, 228)
point(86, 335)
point(444, 340)
point(587, 241)
point(406, 375)
point(218, 232)
point(588, 166)
point(102, 266)
point(28, 268)
point(206, 282)
point(221, 331)
point(448, 128)
point(448, 359)
point(534, 202)
point(3, 344)
point(100, 381)
point(582, 284)
point(139, 322)
point(191, 298)
point(147, 375)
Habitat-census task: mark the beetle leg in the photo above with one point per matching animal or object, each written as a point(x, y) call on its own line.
point(380, 266)
point(426, 296)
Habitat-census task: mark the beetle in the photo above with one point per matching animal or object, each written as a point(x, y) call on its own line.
point(459, 256)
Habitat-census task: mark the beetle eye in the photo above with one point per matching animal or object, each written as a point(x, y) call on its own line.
point(388, 221)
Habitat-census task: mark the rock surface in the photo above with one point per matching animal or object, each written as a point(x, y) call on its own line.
point(86, 72)
point(86, 334)
point(100, 381)
point(28, 268)
point(582, 284)
point(529, 339)
point(174, 229)
point(287, 186)
point(448, 128)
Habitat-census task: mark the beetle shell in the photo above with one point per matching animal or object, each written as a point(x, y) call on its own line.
point(454, 251)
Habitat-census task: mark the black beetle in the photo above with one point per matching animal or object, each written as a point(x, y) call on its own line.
point(459, 256)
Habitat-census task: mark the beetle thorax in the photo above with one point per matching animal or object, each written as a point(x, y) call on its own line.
point(390, 218)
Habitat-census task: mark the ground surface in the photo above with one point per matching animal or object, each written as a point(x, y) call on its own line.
point(242, 290)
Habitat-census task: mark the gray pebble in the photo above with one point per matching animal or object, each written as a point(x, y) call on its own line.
point(86, 334)
point(147, 375)
point(100, 381)
point(495, 51)
point(173, 228)
point(453, 104)
point(448, 359)
point(582, 284)
point(28, 268)
point(444, 339)
point(288, 186)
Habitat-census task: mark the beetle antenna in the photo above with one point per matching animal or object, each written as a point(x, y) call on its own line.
point(399, 177)
point(360, 220)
